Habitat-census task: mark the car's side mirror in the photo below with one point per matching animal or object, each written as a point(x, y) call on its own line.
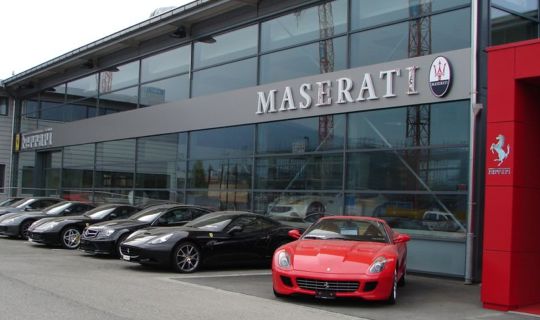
point(235, 229)
point(401, 238)
point(295, 234)
point(113, 216)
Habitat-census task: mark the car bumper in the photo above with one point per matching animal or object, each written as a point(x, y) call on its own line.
point(98, 246)
point(369, 287)
point(10, 230)
point(51, 238)
point(145, 255)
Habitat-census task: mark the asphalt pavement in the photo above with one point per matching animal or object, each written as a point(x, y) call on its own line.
point(37, 282)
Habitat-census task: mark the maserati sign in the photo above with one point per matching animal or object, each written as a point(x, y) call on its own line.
point(440, 76)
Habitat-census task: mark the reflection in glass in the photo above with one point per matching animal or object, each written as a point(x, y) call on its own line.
point(156, 175)
point(220, 174)
point(302, 135)
point(120, 151)
point(168, 90)
point(526, 7)
point(380, 45)
point(367, 13)
point(157, 148)
point(448, 35)
point(320, 57)
point(297, 205)
point(221, 200)
point(166, 64)
point(225, 47)
point(119, 77)
point(31, 108)
point(81, 155)
point(118, 101)
point(506, 28)
point(82, 88)
point(419, 214)
point(315, 172)
point(227, 77)
point(417, 169)
point(322, 21)
point(223, 142)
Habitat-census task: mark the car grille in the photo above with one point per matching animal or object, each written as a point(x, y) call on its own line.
point(89, 233)
point(34, 236)
point(129, 251)
point(3, 229)
point(337, 286)
point(280, 209)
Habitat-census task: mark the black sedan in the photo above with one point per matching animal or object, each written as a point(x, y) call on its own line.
point(17, 224)
point(226, 237)
point(29, 204)
point(105, 237)
point(66, 231)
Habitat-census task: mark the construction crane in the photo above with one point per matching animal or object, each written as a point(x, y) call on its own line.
point(326, 62)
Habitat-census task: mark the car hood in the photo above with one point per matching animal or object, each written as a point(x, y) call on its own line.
point(336, 256)
point(23, 215)
point(7, 210)
point(120, 224)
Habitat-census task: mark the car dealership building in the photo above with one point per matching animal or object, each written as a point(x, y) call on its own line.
point(389, 109)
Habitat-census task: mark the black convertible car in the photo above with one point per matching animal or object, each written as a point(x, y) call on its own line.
point(66, 231)
point(226, 237)
point(105, 237)
point(17, 224)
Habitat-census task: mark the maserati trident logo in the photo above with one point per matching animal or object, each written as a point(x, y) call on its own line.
point(440, 76)
point(498, 147)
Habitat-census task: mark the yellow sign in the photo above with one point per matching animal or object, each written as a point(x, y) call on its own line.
point(17, 142)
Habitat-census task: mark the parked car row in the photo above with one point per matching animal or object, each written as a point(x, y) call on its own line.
point(336, 256)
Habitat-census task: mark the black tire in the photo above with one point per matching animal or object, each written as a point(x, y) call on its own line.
point(70, 238)
point(23, 232)
point(392, 298)
point(186, 257)
point(402, 282)
point(121, 239)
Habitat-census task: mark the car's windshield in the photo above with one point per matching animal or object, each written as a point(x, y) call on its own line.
point(99, 212)
point(347, 229)
point(57, 208)
point(9, 202)
point(22, 203)
point(211, 222)
point(148, 215)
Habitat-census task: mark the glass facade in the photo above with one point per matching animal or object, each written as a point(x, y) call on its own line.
point(513, 20)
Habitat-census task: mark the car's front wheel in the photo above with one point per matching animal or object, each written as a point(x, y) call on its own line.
point(24, 229)
point(392, 298)
point(186, 257)
point(71, 238)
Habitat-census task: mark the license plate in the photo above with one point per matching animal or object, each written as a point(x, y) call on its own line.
point(127, 258)
point(325, 294)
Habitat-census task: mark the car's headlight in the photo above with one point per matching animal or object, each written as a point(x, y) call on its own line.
point(161, 239)
point(46, 226)
point(283, 259)
point(105, 233)
point(378, 265)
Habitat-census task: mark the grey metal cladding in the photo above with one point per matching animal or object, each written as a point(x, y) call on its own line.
point(240, 106)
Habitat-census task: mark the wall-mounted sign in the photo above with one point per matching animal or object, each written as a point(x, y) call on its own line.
point(36, 139)
point(501, 151)
point(440, 76)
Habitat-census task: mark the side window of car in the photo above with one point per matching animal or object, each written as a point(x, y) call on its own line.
point(251, 224)
point(197, 213)
point(123, 212)
point(175, 216)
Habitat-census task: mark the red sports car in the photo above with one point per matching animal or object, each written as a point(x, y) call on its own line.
point(342, 256)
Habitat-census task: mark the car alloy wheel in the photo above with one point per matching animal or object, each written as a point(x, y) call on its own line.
point(24, 229)
point(71, 238)
point(187, 257)
point(393, 294)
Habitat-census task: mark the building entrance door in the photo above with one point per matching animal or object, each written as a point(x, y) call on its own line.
point(49, 176)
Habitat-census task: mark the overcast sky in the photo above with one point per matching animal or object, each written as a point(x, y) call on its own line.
point(35, 31)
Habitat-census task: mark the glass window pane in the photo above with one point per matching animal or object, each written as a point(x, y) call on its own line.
point(77, 156)
point(506, 28)
point(225, 47)
point(451, 30)
point(221, 200)
point(220, 174)
point(82, 88)
point(166, 64)
point(121, 77)
point(433, 215)
point(118, 101)
point(315, 172)
point(182, 145)
point(156, 175)
point(223, 142)
point(322, 21)
point(439, 169)
point(116, 151)
point(157, 148)
point(117, 175)
point(440, 124)
point(366, 13)
point(168, 90)
point(231, 76)
point(321, 57)
point(525, 7)
point(380, 45)
point(77, 178)
point(302, 135)
point(297, 205)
